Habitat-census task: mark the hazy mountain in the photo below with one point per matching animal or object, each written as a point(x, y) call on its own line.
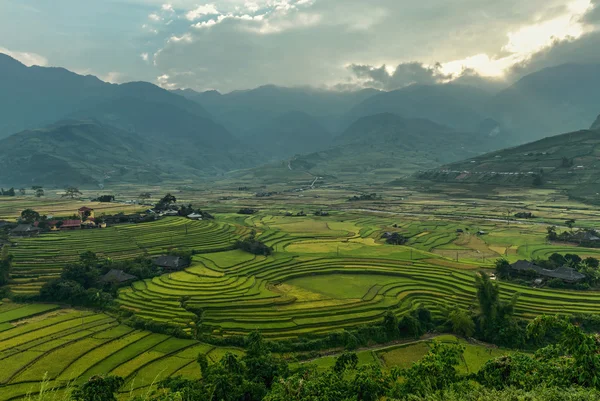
point(548, 102)
point(379, 148)
point(76, 153)
point(567, 162)
point(461, 107)
point(596, 124)
point(288, 134)
point(35, 96)
point(246, 111)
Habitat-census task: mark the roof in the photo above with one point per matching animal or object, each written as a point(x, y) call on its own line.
point(563, 272)
point(171, 262)
point(71, 223)
point(194, 216)
point(85, 209)
point(53, 222)
point(117, 276)
point(24, 228)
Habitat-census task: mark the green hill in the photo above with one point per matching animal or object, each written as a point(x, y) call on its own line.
point(77, 153)
point(89, 153)
point(566, 162)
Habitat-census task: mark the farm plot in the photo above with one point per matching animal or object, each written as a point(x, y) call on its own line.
point(36, 260)
point(287, 295)
point(68, 346)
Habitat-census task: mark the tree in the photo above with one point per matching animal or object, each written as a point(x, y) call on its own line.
point(592, 262)
point(582, 349)
point(570, 223)
point(144, 196)
point(552, 236)
point(348, 360)
point(105, 198)
point(99, 388)
point(10, 192)
point(434, 372)
point(71, 192)
point(5, 265)
point(462, 323)
point(39, 192)
point(22, 191)
point(30, 215)
point(503, 268)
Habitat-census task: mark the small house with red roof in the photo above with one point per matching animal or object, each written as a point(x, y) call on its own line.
point(85, 213)
point(71, 225)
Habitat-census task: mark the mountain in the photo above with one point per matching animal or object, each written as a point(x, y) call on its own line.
point(596, 124)
point(288, 134)
point(192, 142)
point(461, 107)
point(76, 153)
point(564, 162)
point(548, 102)
point(377, 148)
point(245, 111)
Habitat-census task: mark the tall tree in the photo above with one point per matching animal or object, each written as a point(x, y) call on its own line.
point(71, 192)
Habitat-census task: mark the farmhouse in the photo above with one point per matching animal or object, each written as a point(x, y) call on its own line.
point(171, 263)
point(85, 212)
point(71, 225)
point(53, 225)
point(117, 277)
point(564, 273)
point(25, 230)
point(194, 216)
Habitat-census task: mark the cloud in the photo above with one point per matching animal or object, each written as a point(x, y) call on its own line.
point(145, 56)
point(403, 75)
point(26, 58)
point(168, 8)
point(155, 17)
point(302, 42)
point(200, 11)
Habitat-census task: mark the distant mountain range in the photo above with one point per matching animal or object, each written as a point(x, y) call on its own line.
point(379, 148)
point(567, 162)
point(178, 135)
point(138, 116)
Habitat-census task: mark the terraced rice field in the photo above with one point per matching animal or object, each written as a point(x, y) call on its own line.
point(288, 295)
point(67, 347)
point(39, 259)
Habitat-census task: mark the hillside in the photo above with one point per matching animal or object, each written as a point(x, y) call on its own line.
point(378, 148)
point(76, 153)
point(568, 161)
point(549, 102)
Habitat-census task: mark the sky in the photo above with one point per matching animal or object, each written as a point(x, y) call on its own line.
point(339, 44)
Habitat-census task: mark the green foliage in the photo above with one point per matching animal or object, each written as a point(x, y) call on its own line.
point(29, 215)
point(253, 245)
point(436, 371)
point(99, 388)
point(503, 268)
point(461, 322)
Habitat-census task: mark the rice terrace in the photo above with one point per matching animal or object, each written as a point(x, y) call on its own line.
point(333, 267)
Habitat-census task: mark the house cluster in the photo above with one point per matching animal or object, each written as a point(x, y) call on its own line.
point(86, 219)
point(564, 273)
